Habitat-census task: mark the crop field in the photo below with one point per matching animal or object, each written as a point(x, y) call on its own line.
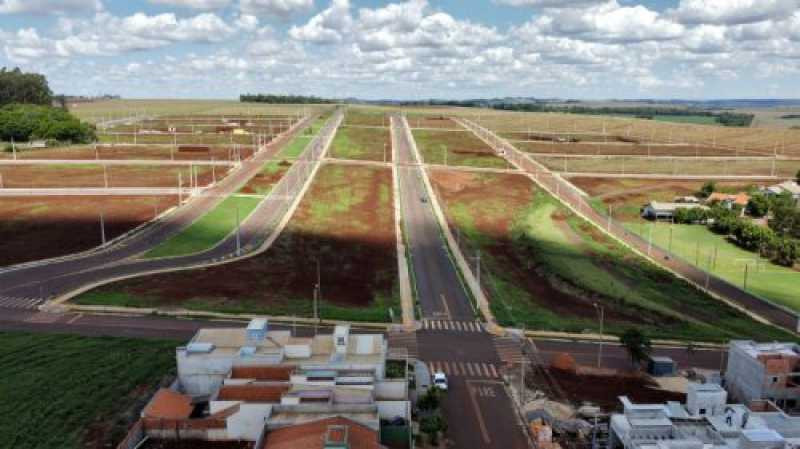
point(345, 221)
point(95, 175)
point(693, 243)
point(370, 144)
point(756, 140)
point(140, 152)
point(546, 267)
point(42, 227)
point(672, 166)
point(71, 392)
point(456, 148)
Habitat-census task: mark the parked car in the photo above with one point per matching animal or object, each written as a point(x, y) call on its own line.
point(440, 381)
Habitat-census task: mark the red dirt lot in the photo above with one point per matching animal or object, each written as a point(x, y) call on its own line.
point(628, 149)
point(219, 153)
point(37, 228)
point(346, 220)
point(497, 199)
point(92, 175)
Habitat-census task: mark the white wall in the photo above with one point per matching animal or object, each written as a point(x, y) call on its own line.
point(248, 423)
point(391, 389)
point(393, 409)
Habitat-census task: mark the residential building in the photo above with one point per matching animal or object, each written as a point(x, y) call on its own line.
point(791, 187)
point(657, 210)
point(705, 422)
point(244, 384)
point(728, 200)
point(764, 371)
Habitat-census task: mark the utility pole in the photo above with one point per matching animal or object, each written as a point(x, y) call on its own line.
point(601, 310)
point(105, 175)
point(746, 265)
point(14, 148)
point(238, 233)
point(180, 189)
point(650, 240)
point(102, 229)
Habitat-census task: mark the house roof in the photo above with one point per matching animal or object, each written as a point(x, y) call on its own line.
point(740, 198)
point(312, 435)
point(671, 207)
point(169, 404)
point(790, 186)
point(276, 373)
point(252, 393)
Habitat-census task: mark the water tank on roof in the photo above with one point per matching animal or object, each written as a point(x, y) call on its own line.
point(257, 330)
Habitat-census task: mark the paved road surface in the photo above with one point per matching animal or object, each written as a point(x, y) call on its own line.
point(438, 286)
point(62, 275)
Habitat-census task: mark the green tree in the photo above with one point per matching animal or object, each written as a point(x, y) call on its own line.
point(758, 206)
point(797, 177)
point(431, 399)
point(787, 252)
point(637, 345)
point(432, 425)
point(708, 188)
point(27, 88)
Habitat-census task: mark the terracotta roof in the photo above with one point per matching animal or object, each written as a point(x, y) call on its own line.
point(740, 198)
point(312, 435)
point(169, 404)
point(252, 393)
point(262, 372)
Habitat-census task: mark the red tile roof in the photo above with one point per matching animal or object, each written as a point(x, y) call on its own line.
point(312, 435)
point(277, 373)
point(740, 198)
point(169, 404)
point(252, 393)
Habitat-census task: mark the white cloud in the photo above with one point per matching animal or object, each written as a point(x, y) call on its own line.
point(206, 27)
point(549, 3)
point(194, 4)
point(282, 8)
point(733, 12)
point(48, 6)
point(327, 27)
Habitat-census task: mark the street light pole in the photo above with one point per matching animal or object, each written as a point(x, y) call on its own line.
point(601, 310)
point(238, 233)
point(102, 229)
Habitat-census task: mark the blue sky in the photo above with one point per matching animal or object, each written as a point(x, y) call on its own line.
point(594, 49)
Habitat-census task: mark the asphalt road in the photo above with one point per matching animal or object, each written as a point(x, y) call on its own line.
point(66, 274)
point(438, 286)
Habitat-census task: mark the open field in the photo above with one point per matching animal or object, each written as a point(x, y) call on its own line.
point(672, 167)
point(263, 182)
point(693, 243)
point(615, 148)
point(42, 227)
point(431, 121)
point(547, 267)
point(370, 144)
point(143, 152)
point(71, 392)
point(761, 140)
point(361, 117)
point(456, 148)
point(94, 175)
point(345, 221)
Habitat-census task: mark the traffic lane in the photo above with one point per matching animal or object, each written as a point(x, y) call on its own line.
point(615, 356)
point(436, 345)
point(480, 415)
point(178, 220)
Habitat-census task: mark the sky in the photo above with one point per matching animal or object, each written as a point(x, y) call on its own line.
point(373, 49)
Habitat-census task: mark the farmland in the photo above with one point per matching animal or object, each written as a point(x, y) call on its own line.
point(45, 227)
point(547, 267)
point(458, 148)
point(693, 243)
point(345, 221)
point(70, 392)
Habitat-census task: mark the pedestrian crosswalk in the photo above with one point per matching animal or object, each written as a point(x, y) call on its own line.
point(508, 350)
point(465, 369)
point(7, 302)
point(455, 326)
point(402, 345)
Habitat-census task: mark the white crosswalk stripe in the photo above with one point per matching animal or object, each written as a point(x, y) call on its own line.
point(20, 303)
point(464, 369)
point(455, 326)
point(403, 343)
point(508, 350)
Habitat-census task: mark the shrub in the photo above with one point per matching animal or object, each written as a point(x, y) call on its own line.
point(758, 206)
point(708, 188)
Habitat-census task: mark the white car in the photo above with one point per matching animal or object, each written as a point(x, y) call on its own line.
point(440, 381)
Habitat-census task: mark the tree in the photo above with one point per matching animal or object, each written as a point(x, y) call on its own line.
point(637, 345)
point(797, 177)
point(431, 399)
point(708, 188)
point(758, 206)
point(432, 425)
point(27, 88)
point(786, 252)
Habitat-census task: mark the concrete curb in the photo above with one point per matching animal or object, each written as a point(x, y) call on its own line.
point(461, 261)
point(406, 295)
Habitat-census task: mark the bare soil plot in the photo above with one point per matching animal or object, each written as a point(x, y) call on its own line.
point(544, 267)
point(456, 148)
point(345, 221)
point(37, 228)
point(94, 175)
point(360, 118)
point(432, 121)
point(671, 167)
point(370, 144)
point(168, 138)
point(630, 149)
point(218, 153)
point(262, 182)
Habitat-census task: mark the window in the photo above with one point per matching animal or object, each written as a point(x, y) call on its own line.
point(774, 379)
point(702, 411)
point(340, 341)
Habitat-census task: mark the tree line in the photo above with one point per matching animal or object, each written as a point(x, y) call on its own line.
point(283, 99)
point(27, 112)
